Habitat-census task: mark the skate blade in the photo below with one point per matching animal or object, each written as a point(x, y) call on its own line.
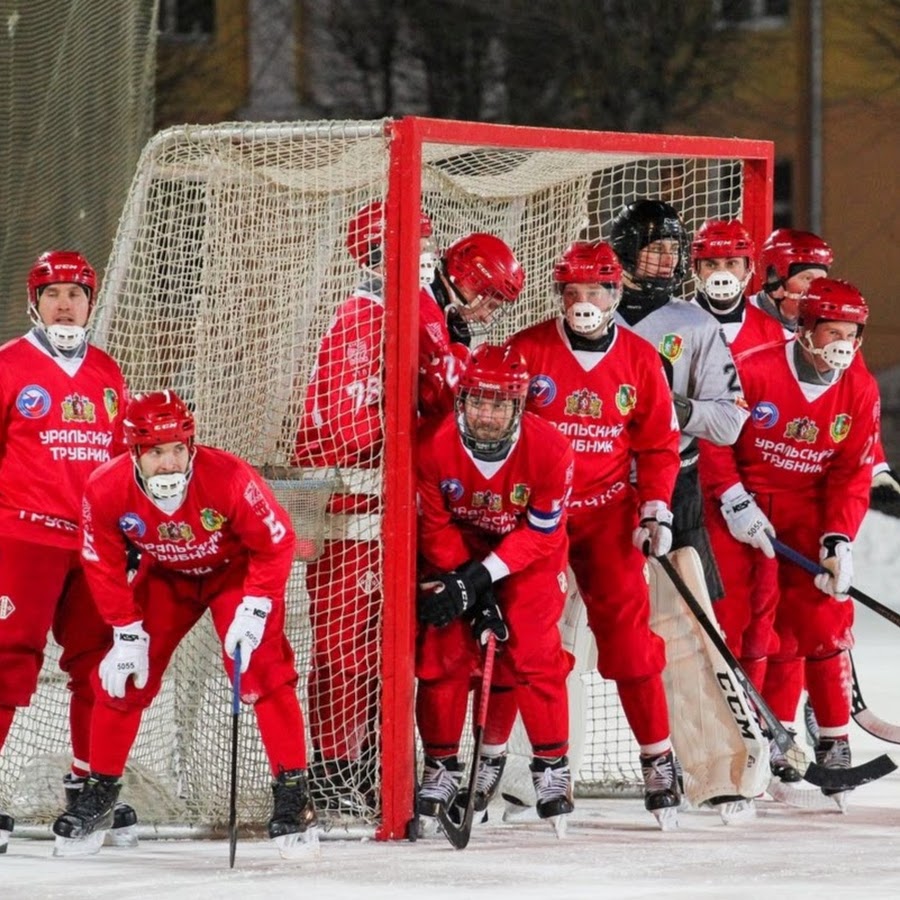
point(518, 811)
point(560, 825)
point(736, 811)
point(667, 818)
point(122, 837)
point(84, 846)
point(798, 797)
point(841, 800)
point(4, 840)
point(303, 845)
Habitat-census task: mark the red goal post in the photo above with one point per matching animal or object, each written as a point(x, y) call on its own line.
point(228, 265)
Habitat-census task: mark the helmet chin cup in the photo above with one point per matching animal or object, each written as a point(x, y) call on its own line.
point(167, 486)
point(585, 318)
point(428, 261)
point(722, 287)
point(65, 337)
point(838, 354)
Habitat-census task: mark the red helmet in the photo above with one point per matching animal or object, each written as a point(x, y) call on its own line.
point(832, 300)
point(787, 251)
point(155, 418)
point(483, 265)
point(365, 232)
point(584, 262)
point(61, 267)
point(718, 239)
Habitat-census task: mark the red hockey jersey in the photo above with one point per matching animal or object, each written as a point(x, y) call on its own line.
point(515, 508)
point(61, 419)
point(614, 407)
point(228, 513)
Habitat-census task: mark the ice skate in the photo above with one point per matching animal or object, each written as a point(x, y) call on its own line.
point(661, 795)
point(123, 832)
point(81, 829)
point(780, 767)
point(834, 753)
point(440, 784)
point(6, 827)
point(293, 823)
point(487, 783)
point(341, 786)
point(734, 809)
point(553, 788)
point(517, 811)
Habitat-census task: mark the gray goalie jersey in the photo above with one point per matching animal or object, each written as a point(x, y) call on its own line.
point(700, 367)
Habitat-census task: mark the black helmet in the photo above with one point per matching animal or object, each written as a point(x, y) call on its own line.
point(640, 223)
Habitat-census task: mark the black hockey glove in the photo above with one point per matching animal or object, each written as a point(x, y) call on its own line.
point(885, 496)
point(458, 328)
point(486, 617)
point(446, 597)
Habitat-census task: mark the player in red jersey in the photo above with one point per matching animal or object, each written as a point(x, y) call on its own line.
point(604, 387)
point(801, 468)
point(61, 402)
point(212, 537)
point(493, 483)
point(723, 255)
point(342, 426)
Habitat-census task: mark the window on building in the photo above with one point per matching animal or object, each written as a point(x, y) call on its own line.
point(187, 19)
point(757, 14)
point(783, 211)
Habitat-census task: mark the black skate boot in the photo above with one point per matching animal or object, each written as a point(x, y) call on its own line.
point(342, 786)
point(123, 832)
point(553, 788)
point(81, 828)
point(834, 753)
point(661, 795)
point(487, 783)
point(440, 783)
point(779, 765)
point(6, 827)
point(293, 822)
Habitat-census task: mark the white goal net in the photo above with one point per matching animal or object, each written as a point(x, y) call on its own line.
point(229, 263)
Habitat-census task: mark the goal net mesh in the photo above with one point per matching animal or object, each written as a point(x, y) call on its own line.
point(228, 267)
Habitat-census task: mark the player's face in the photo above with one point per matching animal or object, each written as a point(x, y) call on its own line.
point(826, 333)
point(480, 307)
point(604, 297)
point(488, 418)
point(64, 304)
point(658, 259)
point(737, 265)
point(165, 459)
point(789, 293)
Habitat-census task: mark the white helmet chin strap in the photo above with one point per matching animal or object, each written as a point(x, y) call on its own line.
point(723, 287)
point(66, 337)
point(168, 486)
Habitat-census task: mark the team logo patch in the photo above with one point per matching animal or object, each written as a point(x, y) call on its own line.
point(7, 607)
point(33, 402)
point(671, 346)
point(452, 489)
point(542, 390)
point(520, 494)
point(110, 403)
point(369, 582)
point(132, 525)
point(626, 398)
point(803, 429)
point(840, 427)
point(211, 519)
point(76, 408)
point(764, 414)
point(584, 403)
point(487, 500)
point(175, 531)
point(357, 353)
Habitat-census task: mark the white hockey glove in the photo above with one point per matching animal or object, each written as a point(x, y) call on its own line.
point(130, 655)
point(247, 628)
point(653, 536)
point(746, 521)
point(837, 556)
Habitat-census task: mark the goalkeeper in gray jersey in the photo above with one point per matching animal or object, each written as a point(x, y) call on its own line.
point(652, 244)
